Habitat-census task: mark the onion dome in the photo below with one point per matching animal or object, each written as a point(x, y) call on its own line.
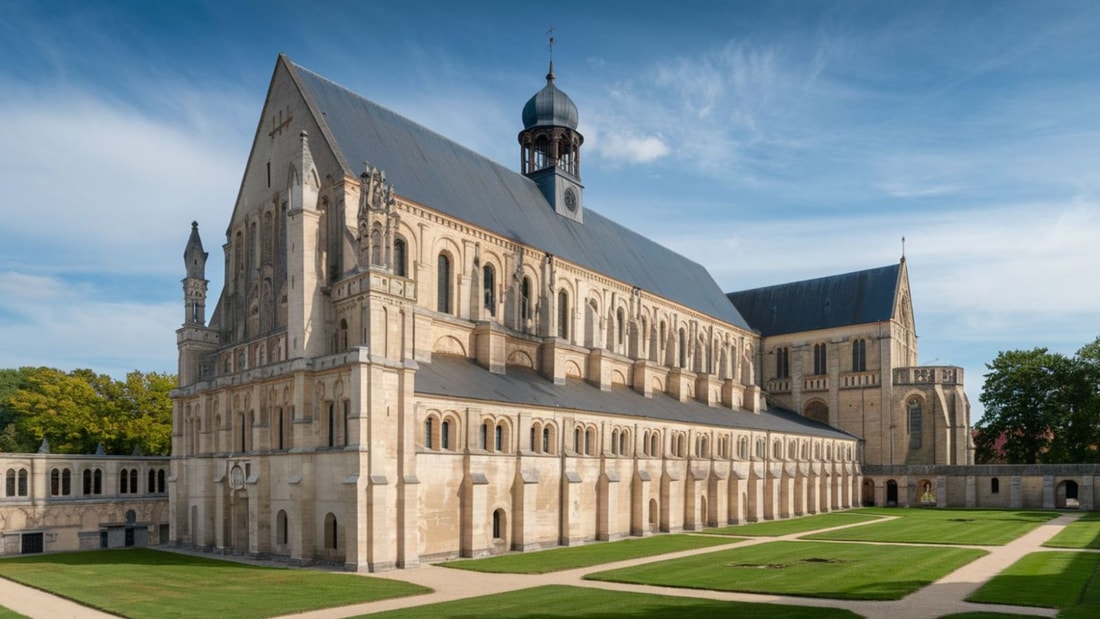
point(550, 107)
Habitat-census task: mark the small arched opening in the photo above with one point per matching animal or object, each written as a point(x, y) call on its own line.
point(892, 493)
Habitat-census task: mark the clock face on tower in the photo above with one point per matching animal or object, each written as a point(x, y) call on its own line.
point(570, 199)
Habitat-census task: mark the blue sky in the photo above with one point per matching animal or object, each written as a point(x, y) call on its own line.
point(769, 141)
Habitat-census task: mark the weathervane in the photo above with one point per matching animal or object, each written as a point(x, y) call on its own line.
point(550, 44)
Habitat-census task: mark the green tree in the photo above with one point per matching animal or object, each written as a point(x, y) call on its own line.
point(1041, 407)
point(79, 410)
point(10, 382)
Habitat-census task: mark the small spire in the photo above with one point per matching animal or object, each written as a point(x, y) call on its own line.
point(903, 249)
point(550, 48)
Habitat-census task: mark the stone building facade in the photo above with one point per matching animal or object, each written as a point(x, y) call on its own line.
point(436, 356)
point(54, 502)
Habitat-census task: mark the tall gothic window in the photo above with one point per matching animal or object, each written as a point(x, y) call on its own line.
point(782, 363)
point(859, 355)
point(563, 314)
point(914, 423)
point(525, 300)
point(443, 284)
point(489, 283)
point(399, 259)
point(819, 359)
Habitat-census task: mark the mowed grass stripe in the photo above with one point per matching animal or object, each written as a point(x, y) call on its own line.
point(942, 526)
point(776, 528)
point(7, 613)
point(141, 582)
point(563, 601)
point(842, 571)
point(1050, 579)
point(557, 559)
point(1084, 533)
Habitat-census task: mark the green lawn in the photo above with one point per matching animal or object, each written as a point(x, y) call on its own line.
point(844, 571)
point(562, 601)
point(1068, 580)
point(7, 613)
point(942, 526)
point(986, 616)
point(795, 525)
point(1084, 533)
point(140, 582)
point(557, 559)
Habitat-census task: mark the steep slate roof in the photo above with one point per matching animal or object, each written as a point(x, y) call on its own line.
point(835, 301)
point(456, 377)
point(430, 169)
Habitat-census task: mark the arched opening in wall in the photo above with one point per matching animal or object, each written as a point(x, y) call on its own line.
point(624, 440)
point(563, 314)
point(915, 423)
point(927, 493)
point(66, 482)
point(331, 532)
point(994, 486)
point(817, 410)
point(653, 513)
point(655, 444)
point(620, 330)
point(131, 517)
point(591, 323)
point(428, 429)
point(868, 498)
point(1065, 495)
point(160, 482)
point(342, 340)
point(97, 481)
point(443, 284)
point(547, 440)
point(489, 289)
point(500, 525)
point(577, 441)
point(682, 345)
point(133, 481)
point(400, 250)
point(590, 442)
point(445, 434)
point(281, 536)
point(892, 493)
point(525, 301)
point(499, 438)
point(55, 482)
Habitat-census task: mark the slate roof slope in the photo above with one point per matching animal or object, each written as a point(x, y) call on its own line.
point(431, 170)
point(457, 377)
point(838, 300)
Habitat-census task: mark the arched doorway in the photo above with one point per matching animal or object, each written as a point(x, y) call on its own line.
point(892, 493)
point(1065, 495)
point(868, 498)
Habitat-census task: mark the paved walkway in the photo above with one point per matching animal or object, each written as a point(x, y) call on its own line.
point(943, 597)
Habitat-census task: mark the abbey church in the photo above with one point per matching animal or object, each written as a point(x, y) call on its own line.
point(435, 356)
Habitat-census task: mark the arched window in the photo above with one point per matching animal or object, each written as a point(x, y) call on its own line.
point(445, 434)
point(620, 329)
point(55, 482)
point(525, 300)
point(124, 482)
point(342, 342)
point(428, 433)
point(546, 442)
point(498, 438)
point(160, 481)
point(485, 435)
point(400, 250)
point(331, 426)
point(683, 349)
point(87, 475)
point(760, 448)
point(281, 536)
point(782, 363)
point(623, 441)
point(590, 441)
point(66, 482)
point(819, 359)
point(703, 452)
point(97, 482)
point(563, 314)
point(533, 442)
point(655, 444)
point(859, 355)
point(331, 532)
point(577, 441)
point(282, 429)
point(914, 423)
point(777, 450)
point(994, 485)
point(615, 441)
point(151, 486)
point(489, 287)
point(498, 524)
point(133, 481)
point(743, 448)
point(443, 284)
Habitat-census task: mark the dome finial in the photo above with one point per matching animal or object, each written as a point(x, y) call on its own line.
point(550, 48)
